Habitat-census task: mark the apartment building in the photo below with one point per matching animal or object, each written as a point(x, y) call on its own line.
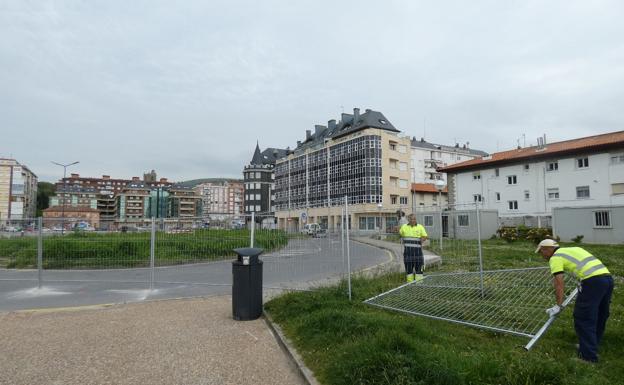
point(221, 198)
point(259, 180)
point(358, 157)
point(184, 202)
point(132, 203)
point(18, 190)
point(427, 157)
point(530, 182)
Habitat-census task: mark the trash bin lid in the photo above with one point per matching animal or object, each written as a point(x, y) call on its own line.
point(248, 251)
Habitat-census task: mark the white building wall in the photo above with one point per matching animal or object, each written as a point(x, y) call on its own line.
point(599, 176)
point(419, 170)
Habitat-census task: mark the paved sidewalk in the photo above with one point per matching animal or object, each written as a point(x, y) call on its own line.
point(190, 341)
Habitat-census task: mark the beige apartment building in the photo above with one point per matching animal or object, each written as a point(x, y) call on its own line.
point(363, 157)
point(221, 199)
point(18, 191)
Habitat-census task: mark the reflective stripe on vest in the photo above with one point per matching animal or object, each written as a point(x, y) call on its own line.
point(581, 262)
point(412, 242)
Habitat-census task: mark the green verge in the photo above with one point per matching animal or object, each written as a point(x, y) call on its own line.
point(120, 250)
point(352, 343)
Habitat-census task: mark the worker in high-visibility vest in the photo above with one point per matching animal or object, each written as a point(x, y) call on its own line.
point(412, 236)
point(592, 303)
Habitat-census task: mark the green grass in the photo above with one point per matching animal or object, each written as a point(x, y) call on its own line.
point(117, 250)
point(352, 343)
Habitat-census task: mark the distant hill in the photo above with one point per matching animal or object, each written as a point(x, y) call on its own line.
point(195, 182)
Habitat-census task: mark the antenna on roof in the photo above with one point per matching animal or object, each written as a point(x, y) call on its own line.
point(425, 128)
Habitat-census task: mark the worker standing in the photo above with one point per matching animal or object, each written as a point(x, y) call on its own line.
point(412, 236)
point(592, 303)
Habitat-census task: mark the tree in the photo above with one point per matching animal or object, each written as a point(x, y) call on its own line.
point(44, 191)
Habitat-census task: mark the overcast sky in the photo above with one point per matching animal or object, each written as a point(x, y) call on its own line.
point(187, 88)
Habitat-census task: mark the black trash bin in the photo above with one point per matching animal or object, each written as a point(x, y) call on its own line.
point(247, 284)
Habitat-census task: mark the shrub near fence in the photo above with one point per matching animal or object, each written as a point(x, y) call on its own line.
point(119, 250)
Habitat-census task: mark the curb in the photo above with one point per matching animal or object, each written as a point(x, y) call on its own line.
point(295, 359)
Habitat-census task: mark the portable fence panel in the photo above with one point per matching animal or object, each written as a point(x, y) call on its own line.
point(194, 251)
point(512, 301)
point(299, 258)
point(18, 249)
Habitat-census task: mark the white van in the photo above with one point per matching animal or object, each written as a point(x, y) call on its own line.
point(311, 229)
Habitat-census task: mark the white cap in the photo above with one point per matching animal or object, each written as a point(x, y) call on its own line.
point(546, 243)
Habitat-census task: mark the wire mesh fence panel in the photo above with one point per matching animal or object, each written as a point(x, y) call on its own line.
point(195, 251)
point(510, 301)
point(298, 258)
point(18, 249)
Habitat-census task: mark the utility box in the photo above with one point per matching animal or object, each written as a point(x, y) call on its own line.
point(247, 284)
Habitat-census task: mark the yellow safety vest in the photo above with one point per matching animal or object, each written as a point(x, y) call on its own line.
point(577, 261)
point(408, 231)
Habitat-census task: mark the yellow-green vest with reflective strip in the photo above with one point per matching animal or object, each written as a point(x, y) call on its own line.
point(577, 261)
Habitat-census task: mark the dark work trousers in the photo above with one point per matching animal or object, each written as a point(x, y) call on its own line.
point(590, 314)
point(413, 257)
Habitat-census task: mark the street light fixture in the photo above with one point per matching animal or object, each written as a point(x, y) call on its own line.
point(440, 185)
point(64, 190)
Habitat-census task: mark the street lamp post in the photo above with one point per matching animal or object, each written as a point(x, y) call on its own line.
point(440, 184)
point(64, 191)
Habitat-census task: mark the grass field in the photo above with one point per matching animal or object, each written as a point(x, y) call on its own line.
point(117, 250)
point(352, 343)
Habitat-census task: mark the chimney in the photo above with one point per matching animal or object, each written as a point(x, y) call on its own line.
point(544, 142)
point(135, 179)
point(308, 135)
point(422, 140)
point(106, 177)
point(298, 143)
point(318, 129)
point(75, 175)
point(356, 115)
point(163, 180)
point(331, 124)
point(368, 110)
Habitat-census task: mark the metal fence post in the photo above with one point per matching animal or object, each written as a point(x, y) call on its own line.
point(347, 242)
point(479, 246)
point(253, 228)
point(152, 252)
point(40, 251)
point(441, 225)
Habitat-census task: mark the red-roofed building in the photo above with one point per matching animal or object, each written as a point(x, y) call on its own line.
point(427, 195)
point(530, 182)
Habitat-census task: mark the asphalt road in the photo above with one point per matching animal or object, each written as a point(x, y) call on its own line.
point(304, 263)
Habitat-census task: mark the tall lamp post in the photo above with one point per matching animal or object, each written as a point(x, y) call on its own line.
point(440, 185)
point(64, 191)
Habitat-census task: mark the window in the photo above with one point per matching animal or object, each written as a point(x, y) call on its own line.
point(527, 167)
point(393, 146)
point(257, 175)
point(552, 166)
point(403, 183)
point(527, 195)
point(428, 220)
point(582, 192)
point(602, 219)
point(477, 198)
point(403, 200)
point(497, 197)
point(463, 220)
point(617, 188)
point(476, 175)
point(496, 172)
point(553, 193)
point(513, 205)
point(582, 162)
point(393, 163)
point(393, 199)
point(617, 159)
point(511, 179)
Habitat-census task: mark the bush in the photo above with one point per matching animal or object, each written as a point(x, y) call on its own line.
point(536, 235)
point(509, 234)
point(578, 239)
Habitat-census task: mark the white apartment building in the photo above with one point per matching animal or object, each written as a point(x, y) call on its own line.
point(427, 157)
point(18, 190)
point(530, 182)
point(221, 199)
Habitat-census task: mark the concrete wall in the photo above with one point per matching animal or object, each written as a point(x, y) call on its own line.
point(568, 222)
